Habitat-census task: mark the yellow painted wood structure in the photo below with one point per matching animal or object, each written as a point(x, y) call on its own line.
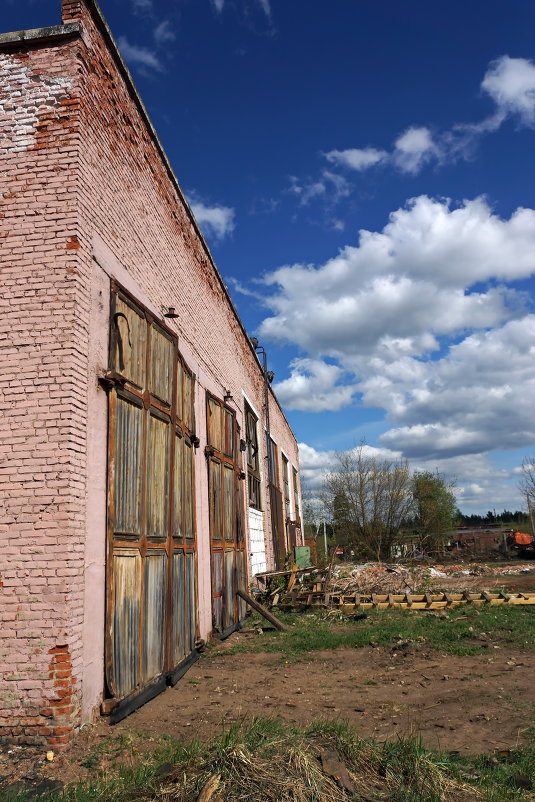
point(404, 601)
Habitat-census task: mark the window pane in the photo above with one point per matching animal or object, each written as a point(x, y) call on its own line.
point(157, 478)
point(179, 390)
point(215, 499)
point(214, 424)
point(228, 481)
point(129, 329)
point(128, 468)
point(229, 433)
point(188, 400)
point(162, 358)
point(178, 521)
point(189, 491)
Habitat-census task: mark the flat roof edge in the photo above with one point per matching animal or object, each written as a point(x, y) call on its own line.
point(51, 33)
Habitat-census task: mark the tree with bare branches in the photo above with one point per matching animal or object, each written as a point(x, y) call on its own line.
point(526, 486)
point(377, 499)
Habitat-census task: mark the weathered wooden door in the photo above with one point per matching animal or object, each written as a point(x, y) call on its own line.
point(226, 516)
point(151, 571)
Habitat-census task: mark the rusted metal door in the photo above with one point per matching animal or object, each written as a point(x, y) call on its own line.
point(151, 572)
point(227, 533)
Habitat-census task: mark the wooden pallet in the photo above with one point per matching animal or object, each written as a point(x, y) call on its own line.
point(406, 601)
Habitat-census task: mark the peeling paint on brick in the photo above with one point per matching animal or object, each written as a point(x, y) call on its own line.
point(29, 97)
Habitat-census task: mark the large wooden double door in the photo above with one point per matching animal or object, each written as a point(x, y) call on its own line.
point(227, 534)
point(151, 564)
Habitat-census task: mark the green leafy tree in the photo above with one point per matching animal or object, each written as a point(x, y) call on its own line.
point(436, 509)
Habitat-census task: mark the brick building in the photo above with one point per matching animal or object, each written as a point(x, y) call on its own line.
point(146, 468)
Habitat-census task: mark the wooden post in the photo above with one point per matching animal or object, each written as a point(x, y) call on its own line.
point(262, 610)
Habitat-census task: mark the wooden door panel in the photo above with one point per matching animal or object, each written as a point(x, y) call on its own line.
point(226, 514)
point(152, 588)
point(126, 621)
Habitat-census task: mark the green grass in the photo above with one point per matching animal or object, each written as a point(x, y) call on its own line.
point(477, 631)
point(264, 760)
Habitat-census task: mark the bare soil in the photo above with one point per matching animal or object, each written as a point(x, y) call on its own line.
point(470, 704)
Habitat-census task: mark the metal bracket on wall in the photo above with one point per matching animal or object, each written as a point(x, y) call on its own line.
point(110, 379)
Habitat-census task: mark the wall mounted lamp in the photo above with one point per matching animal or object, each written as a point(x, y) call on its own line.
point(170, 312)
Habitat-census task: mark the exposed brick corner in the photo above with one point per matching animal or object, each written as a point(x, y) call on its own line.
point(61, 712)
point(73, 244)
point(72, 10)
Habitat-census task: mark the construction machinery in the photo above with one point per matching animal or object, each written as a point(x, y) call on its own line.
point(521, 542)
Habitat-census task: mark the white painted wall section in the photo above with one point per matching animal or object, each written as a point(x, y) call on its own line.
point(256, 542)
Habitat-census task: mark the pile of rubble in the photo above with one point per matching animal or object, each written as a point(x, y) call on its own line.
point(385, 578)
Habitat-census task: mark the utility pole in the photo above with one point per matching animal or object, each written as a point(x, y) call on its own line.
point(322, 521)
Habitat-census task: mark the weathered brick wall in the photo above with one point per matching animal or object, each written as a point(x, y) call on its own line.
point(79, 165)
point(42, 436)
point(129, 197)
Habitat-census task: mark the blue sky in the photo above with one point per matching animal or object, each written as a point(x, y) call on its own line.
point(364, 173)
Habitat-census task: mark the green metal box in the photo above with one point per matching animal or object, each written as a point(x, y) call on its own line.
point(302, 556)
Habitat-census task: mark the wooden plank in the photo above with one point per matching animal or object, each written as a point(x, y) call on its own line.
point(262, 610)
point(293, 577)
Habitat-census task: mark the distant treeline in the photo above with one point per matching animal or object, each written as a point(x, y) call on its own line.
point(492, 517)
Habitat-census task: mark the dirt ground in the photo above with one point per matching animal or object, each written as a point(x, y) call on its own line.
point(470, 704)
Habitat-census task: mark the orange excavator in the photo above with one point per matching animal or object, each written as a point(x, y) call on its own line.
point(521, 542)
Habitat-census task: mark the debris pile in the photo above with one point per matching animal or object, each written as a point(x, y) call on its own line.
point(385, 578)
point(380, 585)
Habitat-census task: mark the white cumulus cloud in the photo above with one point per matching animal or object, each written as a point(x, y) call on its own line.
point(143, 6)
point(313, 387)
point(511, 84)
point(215, 221)
point(477, 397)
point(266, 7)
point(420, 320)
point(413, 149)
point(329, 186)
point(398, 290)
point(357, 158)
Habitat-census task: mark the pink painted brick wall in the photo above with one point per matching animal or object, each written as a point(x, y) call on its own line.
point(83, 180)
point(42, 390)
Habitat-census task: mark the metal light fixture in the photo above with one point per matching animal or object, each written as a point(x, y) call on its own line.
point(170, 312)
point(254, 342)
point(228, 396)
point(270, 376)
